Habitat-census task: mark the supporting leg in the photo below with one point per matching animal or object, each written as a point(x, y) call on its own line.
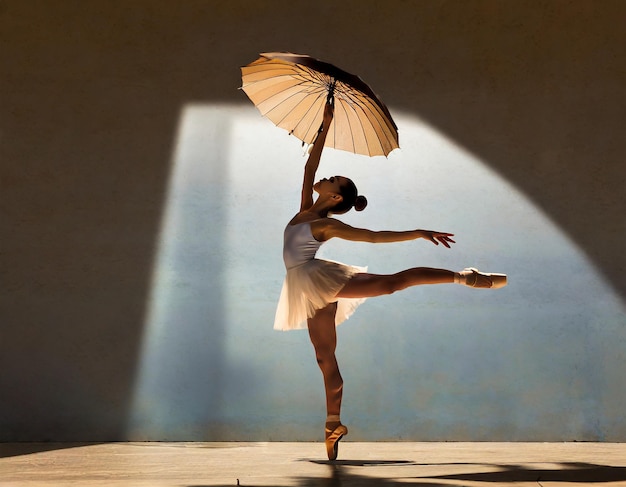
point(324, 338)
point(323, 335)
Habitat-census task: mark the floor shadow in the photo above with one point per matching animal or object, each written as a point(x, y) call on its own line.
point(362, 463)
point(571, 472)
point(339, 477)
point(18, 449)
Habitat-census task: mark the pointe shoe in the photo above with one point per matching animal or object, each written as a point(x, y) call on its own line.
point(332, 440)
point(475, 278)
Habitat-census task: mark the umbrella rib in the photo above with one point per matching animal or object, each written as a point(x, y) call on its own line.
point(310, 125)
point(372, 103)
point(280, 93)
point(343, 106)
point(282, 101)
point(322, 79)
point(298, 74)
point(356, 108)
point(366, 105)
point(318, 84)
point(349, 97)
point(287, 115)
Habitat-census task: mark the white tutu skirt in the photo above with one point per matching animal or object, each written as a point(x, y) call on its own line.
point(312, 286)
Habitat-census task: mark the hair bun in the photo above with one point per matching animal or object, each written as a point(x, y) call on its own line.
point(360, 203)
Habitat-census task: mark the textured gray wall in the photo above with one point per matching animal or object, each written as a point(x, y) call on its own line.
point(92, 98)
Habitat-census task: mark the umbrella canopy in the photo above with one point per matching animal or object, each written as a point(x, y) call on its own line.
point(291, 90)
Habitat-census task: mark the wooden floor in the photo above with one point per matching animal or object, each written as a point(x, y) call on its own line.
point(304, 464)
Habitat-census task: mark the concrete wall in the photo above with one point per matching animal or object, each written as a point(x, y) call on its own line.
point(143, 200)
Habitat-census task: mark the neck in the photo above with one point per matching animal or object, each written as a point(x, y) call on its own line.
point(321, 207)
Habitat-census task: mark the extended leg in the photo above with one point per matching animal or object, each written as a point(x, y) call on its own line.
point(368, 285)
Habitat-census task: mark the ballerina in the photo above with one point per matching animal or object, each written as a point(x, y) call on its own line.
point(320, 294)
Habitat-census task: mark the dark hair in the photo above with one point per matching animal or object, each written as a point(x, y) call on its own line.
point(351, 198)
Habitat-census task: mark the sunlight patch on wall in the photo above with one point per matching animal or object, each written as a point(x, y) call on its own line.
point(212, 368)
point(180, 368)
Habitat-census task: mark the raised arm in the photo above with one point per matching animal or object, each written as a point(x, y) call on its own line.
point(330, 228)
point(313, 161)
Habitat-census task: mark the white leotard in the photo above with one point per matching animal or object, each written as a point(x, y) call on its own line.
point(310, 283)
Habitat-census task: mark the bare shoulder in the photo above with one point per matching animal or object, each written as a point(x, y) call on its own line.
point(327, 228)
point(302, 217)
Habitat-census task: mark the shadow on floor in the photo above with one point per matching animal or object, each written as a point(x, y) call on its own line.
point(17, 449)
point(570, 472)
point(362, 463)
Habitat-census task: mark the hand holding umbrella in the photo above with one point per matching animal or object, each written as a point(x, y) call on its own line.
point(329, 111)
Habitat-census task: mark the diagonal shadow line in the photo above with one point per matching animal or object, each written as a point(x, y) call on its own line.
point(28, 448)
point(571, 472)
point(363, 463)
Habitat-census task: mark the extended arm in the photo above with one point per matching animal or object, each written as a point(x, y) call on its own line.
point(330, 228)
point(313, 161)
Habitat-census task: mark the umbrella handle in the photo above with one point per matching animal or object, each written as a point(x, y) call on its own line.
point(330, 99)
point(331, 92)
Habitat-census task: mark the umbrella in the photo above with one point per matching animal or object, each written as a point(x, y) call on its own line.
point(292, 89)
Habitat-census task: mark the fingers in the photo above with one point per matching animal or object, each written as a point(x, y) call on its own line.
point(444, 238)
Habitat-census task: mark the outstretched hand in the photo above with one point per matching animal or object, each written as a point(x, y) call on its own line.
point(439, 237)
